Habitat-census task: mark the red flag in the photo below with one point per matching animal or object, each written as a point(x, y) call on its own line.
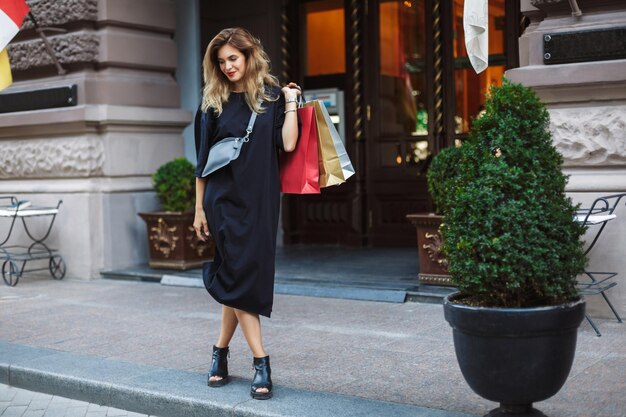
point(12, 13)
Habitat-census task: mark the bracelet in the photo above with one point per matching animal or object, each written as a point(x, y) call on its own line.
point(291, 101)
point(287, 111)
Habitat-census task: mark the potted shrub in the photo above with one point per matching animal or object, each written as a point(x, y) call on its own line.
point(441, 179)
point(171, 236)
point(514, 251)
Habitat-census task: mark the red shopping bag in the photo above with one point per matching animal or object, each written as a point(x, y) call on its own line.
point(299, 170)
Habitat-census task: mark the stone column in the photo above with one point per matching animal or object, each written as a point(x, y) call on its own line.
point(97, 156)
point(587, 104)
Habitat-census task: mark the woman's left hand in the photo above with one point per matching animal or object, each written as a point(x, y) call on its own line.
point(291, 91)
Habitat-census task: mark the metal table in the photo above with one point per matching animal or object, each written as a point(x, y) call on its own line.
point(596, 218)
point(12, 255)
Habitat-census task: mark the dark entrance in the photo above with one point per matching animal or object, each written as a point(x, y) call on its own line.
point(408, 90)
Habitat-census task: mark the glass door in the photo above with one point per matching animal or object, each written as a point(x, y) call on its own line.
point(403, 92)
point(398, 147)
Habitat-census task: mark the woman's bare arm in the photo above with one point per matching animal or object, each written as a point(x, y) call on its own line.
point(199, 223)
point(290, 125)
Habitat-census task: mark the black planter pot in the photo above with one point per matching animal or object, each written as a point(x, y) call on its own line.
point(514, 356)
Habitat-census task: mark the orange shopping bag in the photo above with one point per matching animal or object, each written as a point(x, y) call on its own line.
point(299, 170)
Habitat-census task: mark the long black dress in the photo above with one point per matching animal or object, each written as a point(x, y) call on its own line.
point(241, 203)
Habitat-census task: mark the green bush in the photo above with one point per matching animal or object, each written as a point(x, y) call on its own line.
point(509, 231)
point(174, 183)
point(442, 177)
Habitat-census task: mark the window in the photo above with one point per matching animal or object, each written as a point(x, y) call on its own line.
point(471, 88)
point(325, 38)
point(402, 69)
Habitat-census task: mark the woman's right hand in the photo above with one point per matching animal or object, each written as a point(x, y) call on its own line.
point(201, 226)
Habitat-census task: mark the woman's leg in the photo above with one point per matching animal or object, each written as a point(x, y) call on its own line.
point(251, 327)
point(227, 329)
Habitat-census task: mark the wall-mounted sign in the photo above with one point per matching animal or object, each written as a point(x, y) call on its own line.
point(328, 98)
point(584, 46)
point(38, 99)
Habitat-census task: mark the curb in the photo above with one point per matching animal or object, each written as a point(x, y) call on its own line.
point(172, 393)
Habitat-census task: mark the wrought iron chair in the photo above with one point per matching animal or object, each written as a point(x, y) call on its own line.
point(596, 218)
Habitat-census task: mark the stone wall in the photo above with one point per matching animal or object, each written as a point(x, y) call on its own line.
point(97, 156)
point(587, 105)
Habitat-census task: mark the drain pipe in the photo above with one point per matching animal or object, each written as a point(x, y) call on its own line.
point(575, 9)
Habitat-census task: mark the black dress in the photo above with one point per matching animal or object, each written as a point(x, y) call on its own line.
point(241, 203)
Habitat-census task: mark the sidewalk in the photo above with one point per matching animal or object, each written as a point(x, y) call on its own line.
point(16, 402)
point(150, 346)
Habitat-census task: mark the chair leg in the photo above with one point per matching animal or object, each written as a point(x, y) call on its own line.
point(619, 319)
point(593, 325)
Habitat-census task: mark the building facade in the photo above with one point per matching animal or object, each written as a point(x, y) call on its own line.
point(396, 73)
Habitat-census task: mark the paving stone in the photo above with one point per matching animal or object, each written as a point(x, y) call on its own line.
point(56, 400)
point(115, 412)
point(45, 405)
point(34, 413)
point(39, 404)
point(22, 398)
point(14, 411)
point(7, 393)
point(39, 396)
point(4, 406)
point(76, 411)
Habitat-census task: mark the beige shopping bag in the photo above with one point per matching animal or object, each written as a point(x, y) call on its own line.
point(331, 171)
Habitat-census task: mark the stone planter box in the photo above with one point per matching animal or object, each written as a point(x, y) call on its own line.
point(173, 242)
point(433, 265)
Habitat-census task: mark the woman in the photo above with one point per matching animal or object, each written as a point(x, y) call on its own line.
point(238, 204)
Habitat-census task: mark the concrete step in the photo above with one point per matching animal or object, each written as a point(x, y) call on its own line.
point(349, 287)
point(173, 393)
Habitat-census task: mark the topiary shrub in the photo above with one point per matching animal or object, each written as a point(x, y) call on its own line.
point(509, 231)
point(442, 177)
point(174, 183)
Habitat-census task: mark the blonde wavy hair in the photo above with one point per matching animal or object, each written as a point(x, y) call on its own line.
point(256, 76)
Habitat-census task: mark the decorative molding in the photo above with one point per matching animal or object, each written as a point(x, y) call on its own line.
point(285, 56)
point(438, 69)
point(563, 6)
point(72, 48)
point(434, 279)
point(433, 248)
point(600, 180)
point(38, 158)
point(84, 185)
point(60, 12)
point(163, 237)
point(538, 3)
point(590, 136)
point(355, 44)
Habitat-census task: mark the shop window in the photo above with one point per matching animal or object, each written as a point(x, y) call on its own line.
point(471, 88)
point(325, 38)
point(403, 106)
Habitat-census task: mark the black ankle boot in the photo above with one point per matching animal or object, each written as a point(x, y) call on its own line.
point(219, 367)
point(262, 378)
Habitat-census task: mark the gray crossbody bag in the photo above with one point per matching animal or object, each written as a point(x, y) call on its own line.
point(225, 150)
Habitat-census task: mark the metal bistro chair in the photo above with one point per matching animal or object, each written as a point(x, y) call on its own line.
point(596, 218)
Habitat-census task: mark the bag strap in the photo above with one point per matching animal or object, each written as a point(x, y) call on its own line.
point(250, 126)
point(251, 123)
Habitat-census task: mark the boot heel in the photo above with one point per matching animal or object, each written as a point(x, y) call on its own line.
point(262, 379)
point(219, 367)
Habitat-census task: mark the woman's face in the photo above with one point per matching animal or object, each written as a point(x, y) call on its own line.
point(232, 64)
